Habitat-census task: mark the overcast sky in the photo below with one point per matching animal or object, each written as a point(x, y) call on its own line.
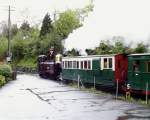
point(127, 18)
point(35, 10)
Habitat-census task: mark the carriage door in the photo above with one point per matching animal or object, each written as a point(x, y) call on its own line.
point(121, 66)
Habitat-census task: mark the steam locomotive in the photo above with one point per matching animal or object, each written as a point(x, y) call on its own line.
point(125, 71)
point(49, 66)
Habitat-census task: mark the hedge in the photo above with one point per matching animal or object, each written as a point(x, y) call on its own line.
point(6, 71)
point(2, 80)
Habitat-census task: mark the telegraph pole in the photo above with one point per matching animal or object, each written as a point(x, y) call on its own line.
point(9, 34)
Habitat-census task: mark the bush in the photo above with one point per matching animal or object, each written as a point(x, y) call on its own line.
point(2, 80)
point(6, 71)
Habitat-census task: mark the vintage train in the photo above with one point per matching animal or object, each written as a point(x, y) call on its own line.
point(127, 71)
point(49, 66)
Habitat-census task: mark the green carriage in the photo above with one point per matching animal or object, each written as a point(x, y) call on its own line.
point(96, 69)
point(139, 72)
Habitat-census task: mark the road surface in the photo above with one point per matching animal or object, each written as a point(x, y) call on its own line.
point(32, 98)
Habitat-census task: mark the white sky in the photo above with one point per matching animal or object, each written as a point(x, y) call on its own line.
point(35, 10)
point(127, 18)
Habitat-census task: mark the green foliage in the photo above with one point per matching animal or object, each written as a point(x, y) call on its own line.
point(119, 47)
point(83, 13)
point(2, 80)
point(141, 48)
point(6, 70)
point(90, 51)
point(28, 63)
point(28, 42)
point(25, 47)
point(19, 47)
point(46, 26)
point(104, 48)
point(73, 52)
point(25, 26)
point(67, 22)
point(14, 30)
point(3, 48)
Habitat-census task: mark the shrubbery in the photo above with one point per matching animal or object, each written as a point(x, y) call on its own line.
point(6, 71)
point(2, 80)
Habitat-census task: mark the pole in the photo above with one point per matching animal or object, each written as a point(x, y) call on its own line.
point(54, 15)
point(78, 81)
point(9, 34)
point(94, 82)
point(117, 90)
point(147, 93)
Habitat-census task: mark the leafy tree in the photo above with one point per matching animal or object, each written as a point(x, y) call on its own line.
point(25, 26)
point(90, 52)
point(14, 30)
point(73, 52)
point(4, 30)
point(83, 12)
point(67, 22)
point(3, 48)
point(25, 30)
point(104, 48)
point(23, 48)
point(119, 47)
point(46, 25)
point(141, 48)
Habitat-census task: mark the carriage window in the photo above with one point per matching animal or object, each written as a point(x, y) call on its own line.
point(110, 62)
point(89, 64)
point(148, 67)
point(105, 62)
point(85, 64)
point(69, 64)
point(136, 65)
point(74, 64)
point(81, 64)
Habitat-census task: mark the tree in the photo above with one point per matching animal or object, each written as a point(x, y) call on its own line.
point(104, 48)
point(25, 30)
point(46, 25)
point(4, 29)
point(73, 52)
point(14, 30)
point(141, 48)
point(67, 22)
point(83, 12)
point(119, 47)
point(3, 48)
point(90, 52)
point(25, 26)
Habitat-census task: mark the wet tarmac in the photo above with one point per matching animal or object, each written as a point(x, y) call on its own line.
point(32, 98)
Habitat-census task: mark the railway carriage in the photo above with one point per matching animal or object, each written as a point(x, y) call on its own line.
point(97, 69)
point(129, 72)
point(139, 72)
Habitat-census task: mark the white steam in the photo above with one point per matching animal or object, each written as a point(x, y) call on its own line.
point(127, 18)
